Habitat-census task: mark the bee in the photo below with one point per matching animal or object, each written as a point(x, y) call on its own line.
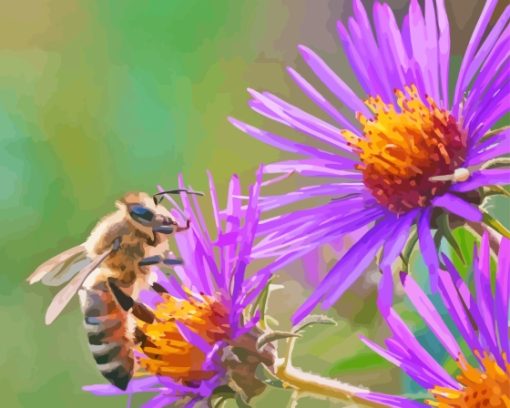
point(107, 271)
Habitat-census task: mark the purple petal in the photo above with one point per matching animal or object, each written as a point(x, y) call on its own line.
point(419, 44)
point(428, 247)
point(393, 247)
point(478, 32)
point(332, 81)
point(280, 142)
point(305, 193)
point(487, 46)
point(496, 146)
point(320, 101)
point(301, 121)
point(393, 358)
point(503, 294)
point(348, 269)
point(482, 279)
point(149, 384)
point(443, 48)
point(370, 52)
point(456, 309)
point(315, 168)
point(161, 401)
point(430, 315)
point(361, 255)
point(390, 400)
point(421, 363)
point(385, 293)
point(432, 49)
point(390, 42)
point(480, 324)
point(458, 206)
point(481, 178)
point(316, 225)
point(193, 338)
point(357, 62)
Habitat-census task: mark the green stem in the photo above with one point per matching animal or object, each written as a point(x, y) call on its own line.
point(408, 250)
point(492, 222)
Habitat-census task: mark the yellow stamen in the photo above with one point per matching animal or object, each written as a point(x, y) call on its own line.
point(404, 149)
point(488, 387)
point(167, 352)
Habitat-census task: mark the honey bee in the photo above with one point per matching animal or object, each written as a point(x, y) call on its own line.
point(108, 270)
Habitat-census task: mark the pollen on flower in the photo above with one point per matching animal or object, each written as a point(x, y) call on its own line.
point(167, 352)
point(403, 148)
point(488, 387)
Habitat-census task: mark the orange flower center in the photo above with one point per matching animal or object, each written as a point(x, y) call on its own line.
point(166, 350)
point(485, 388)
point(403, 148)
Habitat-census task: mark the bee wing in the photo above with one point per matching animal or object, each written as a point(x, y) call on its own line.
point(61, 267)
point(63, 297)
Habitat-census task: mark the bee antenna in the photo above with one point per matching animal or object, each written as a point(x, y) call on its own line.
point(157, 199)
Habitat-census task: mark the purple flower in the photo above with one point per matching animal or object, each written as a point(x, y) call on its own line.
point(481, 319)
point(189, 349)
point(411, 154)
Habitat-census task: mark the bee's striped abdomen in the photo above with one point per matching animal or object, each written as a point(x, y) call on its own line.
point(107, 332)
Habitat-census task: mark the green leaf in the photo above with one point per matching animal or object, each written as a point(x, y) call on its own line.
point(466, 240)
point(264, 374)
point(444, 226)
point(408, 249)
point(312, 320)
point(220, 395)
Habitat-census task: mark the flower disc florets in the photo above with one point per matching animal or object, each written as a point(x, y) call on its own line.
point(404, 147)
point(175, 345)
point(487, 387)
point(167, 352)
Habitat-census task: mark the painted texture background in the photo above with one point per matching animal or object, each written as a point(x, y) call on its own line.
point(102, 97)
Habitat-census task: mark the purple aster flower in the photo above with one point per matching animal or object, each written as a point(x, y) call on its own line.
point(480, 318)
point(189, 350)
point(412, 152)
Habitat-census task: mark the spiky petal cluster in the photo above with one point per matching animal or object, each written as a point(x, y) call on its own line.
point(383, 174)
point(481, 321)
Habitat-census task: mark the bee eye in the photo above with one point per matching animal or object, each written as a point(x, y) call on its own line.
point(141, 214)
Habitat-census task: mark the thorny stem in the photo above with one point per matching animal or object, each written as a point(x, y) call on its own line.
point(312, 384)
point(308, 383)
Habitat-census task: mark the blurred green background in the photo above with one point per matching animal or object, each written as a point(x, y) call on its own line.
point(103, 97)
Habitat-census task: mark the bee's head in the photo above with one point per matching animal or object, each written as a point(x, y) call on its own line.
point(145, 215)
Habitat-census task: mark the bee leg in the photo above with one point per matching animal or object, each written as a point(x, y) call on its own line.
point(127, 303)
point(140, 337)
point(179, 228)
point(150, 260)
point(156, 259)
point(158, 288)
